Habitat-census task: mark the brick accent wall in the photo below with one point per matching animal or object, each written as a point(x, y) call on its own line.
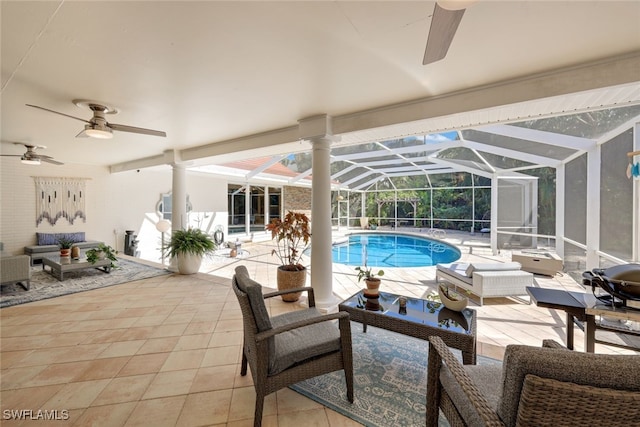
point(297, 199)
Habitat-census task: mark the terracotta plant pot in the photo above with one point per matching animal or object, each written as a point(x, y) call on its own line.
point(65, 252)
point(373, 287)
point(291, 279)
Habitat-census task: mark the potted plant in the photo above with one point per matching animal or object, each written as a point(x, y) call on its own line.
point(373, 224)
point(102, 252)
point(292, 235)
point(371, 278)
point(189, 247)
point(65, 244)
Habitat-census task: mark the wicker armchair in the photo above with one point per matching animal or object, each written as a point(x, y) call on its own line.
point(16, 269)
point(291, 347)
point(534, 386)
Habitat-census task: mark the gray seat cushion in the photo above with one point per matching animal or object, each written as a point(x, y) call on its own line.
point(488, 381)
point(301, 344)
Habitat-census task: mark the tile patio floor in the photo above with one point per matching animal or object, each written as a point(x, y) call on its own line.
point(166, 351)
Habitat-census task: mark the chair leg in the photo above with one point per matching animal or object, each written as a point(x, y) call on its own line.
point(348, 375)
point(243, 368)
point(433, 388)
point(257, 417)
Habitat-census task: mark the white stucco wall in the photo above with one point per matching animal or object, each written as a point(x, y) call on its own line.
point(115, 203)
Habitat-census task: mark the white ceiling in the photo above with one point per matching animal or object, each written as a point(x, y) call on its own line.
point(212, 73)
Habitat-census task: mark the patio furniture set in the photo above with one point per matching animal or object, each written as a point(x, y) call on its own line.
point(534, 386)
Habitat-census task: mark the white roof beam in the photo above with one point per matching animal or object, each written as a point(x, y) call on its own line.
point(557, 139)
point(266, 165)
point(518, 155)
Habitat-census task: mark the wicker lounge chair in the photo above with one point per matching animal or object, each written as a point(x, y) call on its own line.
point(486, 280)
point(291, 347)
point(535, 386)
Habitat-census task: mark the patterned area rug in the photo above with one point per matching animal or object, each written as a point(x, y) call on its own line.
point(44, 285)
point(390, 376)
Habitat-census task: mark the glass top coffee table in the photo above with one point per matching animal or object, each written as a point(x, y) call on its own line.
point(419, 319)
point(59, 265)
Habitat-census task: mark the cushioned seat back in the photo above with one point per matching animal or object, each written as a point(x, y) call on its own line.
point(556, 403)
point(621, 372)
point(253, 290)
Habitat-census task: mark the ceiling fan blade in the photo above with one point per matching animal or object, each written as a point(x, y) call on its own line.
point(444, 24)
point(133, 129)
point(11, 155)
point(50, 160)
point(57, 112)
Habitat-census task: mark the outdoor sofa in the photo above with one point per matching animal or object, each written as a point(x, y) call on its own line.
point(47, 244)
point(486, 280)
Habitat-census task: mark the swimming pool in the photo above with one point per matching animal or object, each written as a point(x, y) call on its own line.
point(393, 250)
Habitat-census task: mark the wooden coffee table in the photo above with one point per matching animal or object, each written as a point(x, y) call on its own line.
point(59, 265)
point(420, 319)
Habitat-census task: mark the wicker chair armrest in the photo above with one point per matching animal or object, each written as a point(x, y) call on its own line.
point(308, 289)
point(466, 383)
point(553, 344)
point(301, 323)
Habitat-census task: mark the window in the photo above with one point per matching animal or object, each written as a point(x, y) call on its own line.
point(261, 204)
point(165, 205)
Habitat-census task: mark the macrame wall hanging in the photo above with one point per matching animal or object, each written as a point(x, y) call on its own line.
point(60, 198)
point(633, 170)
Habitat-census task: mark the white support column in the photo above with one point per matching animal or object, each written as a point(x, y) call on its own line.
point(534, 211)
point(179, 197)
point(593, 207)
point(179, 204)
point(321, 262)
point(560, 198)
point(635, 250)
point(318, 130)
point(494, 214)
point(247, 209)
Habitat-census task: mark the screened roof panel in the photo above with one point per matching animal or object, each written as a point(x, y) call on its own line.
point(298, 162)
point(459, 153)
point(590, 124)
point(485, 150)
point(502, 162)
point(356, 149)
point(348, 176)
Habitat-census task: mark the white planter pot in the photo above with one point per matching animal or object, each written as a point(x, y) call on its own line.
point(189, 263)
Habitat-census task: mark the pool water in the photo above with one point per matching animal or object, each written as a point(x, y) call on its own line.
point(393, 250)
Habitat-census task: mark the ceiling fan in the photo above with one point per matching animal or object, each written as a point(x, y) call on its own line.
point(31, 157)
point(447, 15)
point(98, 126)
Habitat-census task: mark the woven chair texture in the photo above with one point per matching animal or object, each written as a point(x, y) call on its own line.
point(260, 346)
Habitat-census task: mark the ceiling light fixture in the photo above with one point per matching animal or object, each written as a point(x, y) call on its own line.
point(98, 133)
point(455, 4)
point(30, 161)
